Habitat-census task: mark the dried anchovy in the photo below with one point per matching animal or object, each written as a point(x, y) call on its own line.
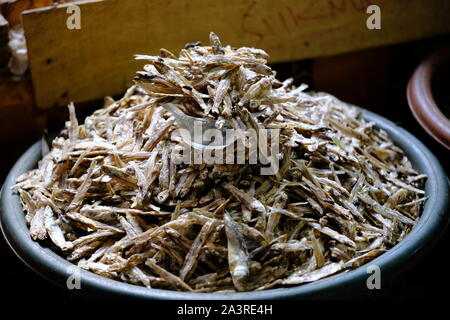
point(110, 197)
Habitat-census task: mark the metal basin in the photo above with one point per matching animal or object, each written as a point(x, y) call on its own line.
point(404, 255)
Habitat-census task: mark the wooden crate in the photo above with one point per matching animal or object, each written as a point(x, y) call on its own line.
point(97, 60)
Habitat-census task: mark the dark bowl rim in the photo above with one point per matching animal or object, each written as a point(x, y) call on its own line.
point(410, 250)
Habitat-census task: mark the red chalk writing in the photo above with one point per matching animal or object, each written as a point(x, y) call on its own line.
point(288, 20)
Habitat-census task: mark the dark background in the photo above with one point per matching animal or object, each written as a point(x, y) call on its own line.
point(374, 79)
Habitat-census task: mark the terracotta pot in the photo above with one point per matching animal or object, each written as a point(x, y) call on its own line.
point(426, 95)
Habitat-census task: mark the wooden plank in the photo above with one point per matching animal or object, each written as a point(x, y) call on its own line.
point(96, 60)
point(4, 49)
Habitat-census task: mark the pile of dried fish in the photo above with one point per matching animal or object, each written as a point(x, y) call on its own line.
point(111, 199)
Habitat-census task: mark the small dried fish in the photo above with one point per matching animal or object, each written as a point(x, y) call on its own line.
point(54, 230)
point(176, 281)
point(37, 225)
point(238, 258)
point(112, 196)
point(247, 200)
point(191, 258)
point(333, 234)
point(315, 275)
